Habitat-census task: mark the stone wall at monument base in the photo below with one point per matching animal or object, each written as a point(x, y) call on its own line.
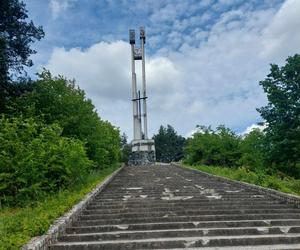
point(142, 158)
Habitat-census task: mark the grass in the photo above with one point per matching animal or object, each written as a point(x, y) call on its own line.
point(281, 183)
point(19, 225)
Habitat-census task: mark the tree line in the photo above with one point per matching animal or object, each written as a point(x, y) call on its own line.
point(275, 149)
point(51, 135)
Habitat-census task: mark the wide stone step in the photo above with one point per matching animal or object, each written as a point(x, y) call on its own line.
point(182, 225)
point(182, 242)
point(96, 216)
point(140, 200)
point(91, 210)
point(206, 202)
point(190, 232)
point(188, 218)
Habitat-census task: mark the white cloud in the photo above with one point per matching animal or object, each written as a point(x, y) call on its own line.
point(213, 78)
point(282, 36)
point(57, 6)
point(253, 127)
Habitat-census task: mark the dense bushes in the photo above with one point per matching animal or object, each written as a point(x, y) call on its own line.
point(35, 160)
point(52, 138)
point(213, 147)
point(274, 181)
point(223, 147)
point(58, 100)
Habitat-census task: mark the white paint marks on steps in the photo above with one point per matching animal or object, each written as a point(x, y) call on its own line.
point(204, 241)
point(168, 195)
point(189, 243)
point(285, 230)
point(200, 187)
point(196, 223)
point(214, 196)
point(126, 197)
point(233, 191)
point(264, 230)
point(122, 227)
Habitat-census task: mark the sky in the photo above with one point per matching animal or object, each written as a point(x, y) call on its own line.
point(204, 58)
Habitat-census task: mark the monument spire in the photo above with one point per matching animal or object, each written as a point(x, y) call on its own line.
point(143, 149)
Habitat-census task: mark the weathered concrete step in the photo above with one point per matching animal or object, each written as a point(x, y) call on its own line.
point(141, 200)
point(186, 202)
point(119, 195)
point(257, 247)
point(190, 232)
point(181, 242)
point(182, 225)
point(91, 210)
point(175, 212)
point(189, 218)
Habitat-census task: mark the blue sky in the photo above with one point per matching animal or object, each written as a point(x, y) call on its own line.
point(204, 58)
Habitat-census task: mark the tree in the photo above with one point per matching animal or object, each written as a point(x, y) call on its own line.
point(220, 147)
point(126, 148)
point(253, 150)
point(58, 100)
point(282, 114)
point(168, 144)
point(16, 36)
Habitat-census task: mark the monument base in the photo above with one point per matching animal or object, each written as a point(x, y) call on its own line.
point(142, 153)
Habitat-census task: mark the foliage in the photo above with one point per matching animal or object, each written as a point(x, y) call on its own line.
point(35, 160)
point(58, 100)
point(18, 225)
point(252, 148)
point(126, 148)
point(168, 144)
point(282, 114)
point(282, 183)
point(16, 35)
point(213, 147)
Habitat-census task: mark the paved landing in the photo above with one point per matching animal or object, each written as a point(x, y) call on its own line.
point(167, 207)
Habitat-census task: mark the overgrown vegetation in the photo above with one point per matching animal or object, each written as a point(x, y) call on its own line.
point(276, 181)
point(54, 147)
point(18, 225)
point(35, 160)
point(282, 114)
point(274, 151)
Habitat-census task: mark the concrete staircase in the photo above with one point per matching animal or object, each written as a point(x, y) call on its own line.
point(166, 207)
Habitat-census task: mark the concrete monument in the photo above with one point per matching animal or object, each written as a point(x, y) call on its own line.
point(143, 149)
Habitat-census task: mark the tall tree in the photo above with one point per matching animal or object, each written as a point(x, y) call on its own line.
point(58, 100)
point(16, 36)
point(168, 144)
point(282, 114)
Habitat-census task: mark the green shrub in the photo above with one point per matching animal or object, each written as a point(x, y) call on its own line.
point(35, 160)
point(61, 101)
point(213, 147)
point(281, 182)
point(252, 148)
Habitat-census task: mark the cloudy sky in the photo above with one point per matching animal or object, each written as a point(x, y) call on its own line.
point(204, 58)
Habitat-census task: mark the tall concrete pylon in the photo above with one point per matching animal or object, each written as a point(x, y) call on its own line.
point(143, 149)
